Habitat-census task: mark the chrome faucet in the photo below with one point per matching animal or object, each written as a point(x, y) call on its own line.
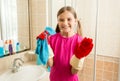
point(16, 64)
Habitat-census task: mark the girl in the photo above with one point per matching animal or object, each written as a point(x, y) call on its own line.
point(63, 44)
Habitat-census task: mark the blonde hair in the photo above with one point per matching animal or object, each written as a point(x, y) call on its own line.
point(70, 9)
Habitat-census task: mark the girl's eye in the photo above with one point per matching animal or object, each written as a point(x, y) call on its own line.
point(69, 19)
point(61, 20)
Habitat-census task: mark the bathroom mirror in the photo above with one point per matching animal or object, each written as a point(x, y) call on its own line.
point(14, 25)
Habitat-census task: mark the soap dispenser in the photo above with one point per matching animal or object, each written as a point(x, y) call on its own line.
point(17, 47)
point(10, 47)
point(6, 44)
point(1, 48)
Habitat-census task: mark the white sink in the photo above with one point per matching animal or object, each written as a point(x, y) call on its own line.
point(25, 73)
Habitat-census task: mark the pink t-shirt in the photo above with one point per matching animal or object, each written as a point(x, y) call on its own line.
point(63, 50)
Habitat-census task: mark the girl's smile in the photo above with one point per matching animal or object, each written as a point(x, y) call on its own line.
point(66, 22)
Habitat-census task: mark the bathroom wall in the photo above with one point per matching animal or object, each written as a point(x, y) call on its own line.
point(23, 23)
point(108, 39)
point(107, 69)
point(119, 71)
point(37, 19)
point(55, 6)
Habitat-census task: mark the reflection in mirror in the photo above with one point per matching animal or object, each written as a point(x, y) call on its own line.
point(14, 26)
point(9, 20)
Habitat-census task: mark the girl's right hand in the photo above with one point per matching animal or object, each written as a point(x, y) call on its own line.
point(50, 62)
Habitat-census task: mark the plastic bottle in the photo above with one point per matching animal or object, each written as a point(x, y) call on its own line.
point(6, 47)
point(17, 47)
point(1, 48)
point(10, 47)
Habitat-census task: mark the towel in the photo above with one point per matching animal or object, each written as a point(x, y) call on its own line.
point(43, 49)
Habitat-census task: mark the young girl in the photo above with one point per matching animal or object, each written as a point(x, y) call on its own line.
point(63, 45)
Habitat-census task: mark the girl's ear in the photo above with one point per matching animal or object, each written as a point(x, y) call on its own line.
point(76, 20)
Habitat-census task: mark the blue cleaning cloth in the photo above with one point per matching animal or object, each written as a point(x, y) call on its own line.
point(50, 30)
point(42, 50)
point(38, 61)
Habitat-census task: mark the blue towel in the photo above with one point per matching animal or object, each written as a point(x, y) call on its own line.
point(50, 30)
point(42, 50)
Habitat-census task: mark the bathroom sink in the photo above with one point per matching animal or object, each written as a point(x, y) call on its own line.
point(25, 73)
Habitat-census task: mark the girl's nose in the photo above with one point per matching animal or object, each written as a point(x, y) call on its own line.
point(65, 22)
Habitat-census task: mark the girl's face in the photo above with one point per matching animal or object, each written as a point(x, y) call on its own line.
point(66, 22)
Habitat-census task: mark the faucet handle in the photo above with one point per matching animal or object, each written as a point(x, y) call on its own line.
point(17, 62)
point(15, 59)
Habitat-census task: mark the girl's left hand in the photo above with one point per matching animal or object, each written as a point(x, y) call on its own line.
point(84, 48)
point(74, 71)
